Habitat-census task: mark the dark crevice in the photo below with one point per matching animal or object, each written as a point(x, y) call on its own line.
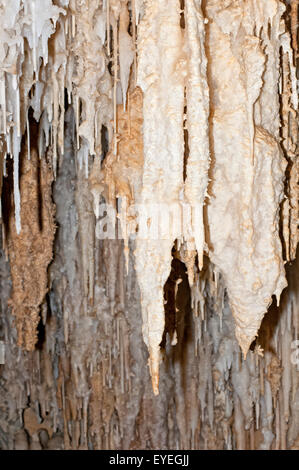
point(182, 14)
point(104, 142)
point(177, 297)
point(186, 143)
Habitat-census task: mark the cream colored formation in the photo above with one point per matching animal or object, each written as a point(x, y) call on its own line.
point(221, 69)
point(249, 166)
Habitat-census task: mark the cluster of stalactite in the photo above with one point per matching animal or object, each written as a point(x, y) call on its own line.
point(146, 343)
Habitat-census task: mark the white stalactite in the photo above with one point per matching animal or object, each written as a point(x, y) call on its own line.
point(197, 97)
point(160, 76)
point(243, 213)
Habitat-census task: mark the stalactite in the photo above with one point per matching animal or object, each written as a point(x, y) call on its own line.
point(289, 106)
point(30, 251)
point(249, 254)
point(90, 85)
point(126, 51)
point(160, 76)
point(176, 122)
point(197, 98)
point(120, 175)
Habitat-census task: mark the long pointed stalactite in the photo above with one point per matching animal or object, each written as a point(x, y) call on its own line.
point(149, 224)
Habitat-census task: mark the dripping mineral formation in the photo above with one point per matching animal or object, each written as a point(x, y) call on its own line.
point(177, 121)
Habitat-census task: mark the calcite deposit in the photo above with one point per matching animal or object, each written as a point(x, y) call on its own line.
point(149, 224)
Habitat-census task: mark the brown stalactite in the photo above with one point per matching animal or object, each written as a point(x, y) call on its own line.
point(31, 252)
